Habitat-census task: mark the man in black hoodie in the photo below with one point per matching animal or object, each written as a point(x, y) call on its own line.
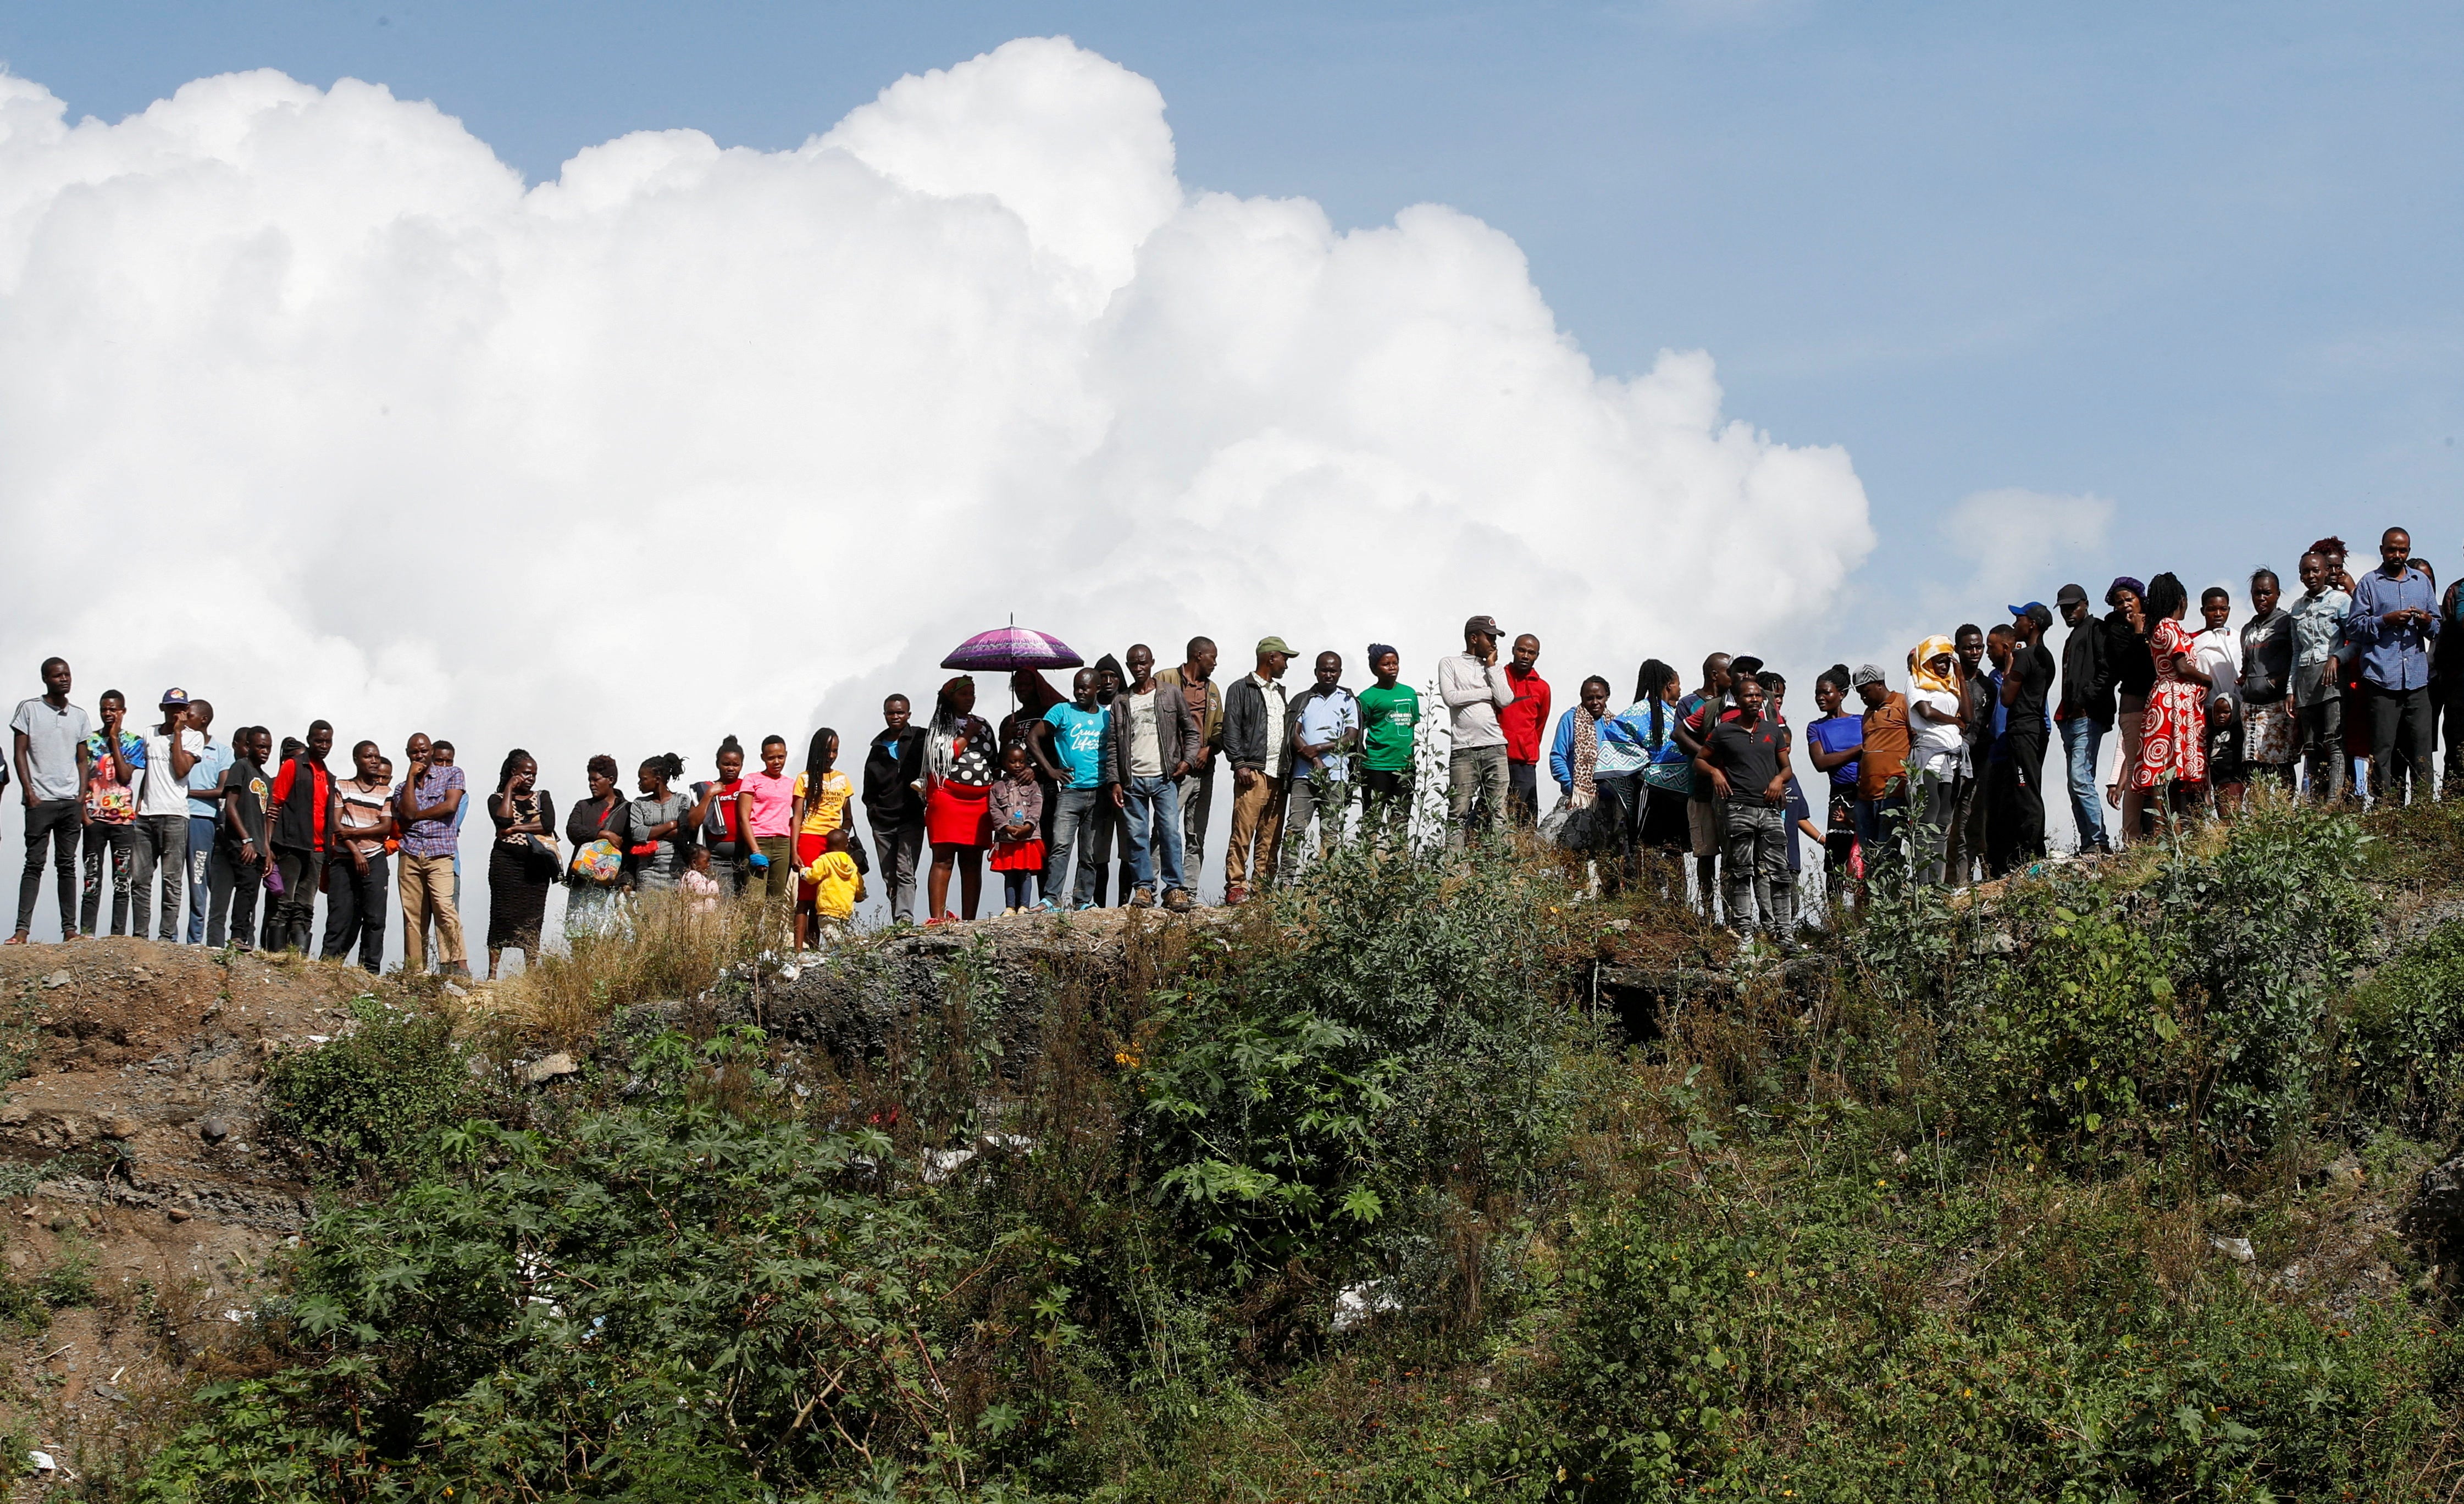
point(893, 768)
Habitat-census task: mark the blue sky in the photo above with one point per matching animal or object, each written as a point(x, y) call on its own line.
point(2198, 259)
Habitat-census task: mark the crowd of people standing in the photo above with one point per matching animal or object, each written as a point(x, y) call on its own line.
point(1104, 792)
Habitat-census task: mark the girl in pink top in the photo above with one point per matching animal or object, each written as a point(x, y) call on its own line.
point(774, 816)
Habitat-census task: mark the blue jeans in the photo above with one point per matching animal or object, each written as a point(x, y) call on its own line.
point(2081, 740)
point(1074, 829)
point(1154, 813)
point(202, 829)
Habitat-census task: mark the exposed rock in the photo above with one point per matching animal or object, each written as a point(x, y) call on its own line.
point(549, 1068)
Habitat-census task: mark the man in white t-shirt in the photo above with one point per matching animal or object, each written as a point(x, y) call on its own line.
point(171, 749)
point(50, 755)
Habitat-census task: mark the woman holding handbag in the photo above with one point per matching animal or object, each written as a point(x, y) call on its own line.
point(522, 863)
point(597, 828)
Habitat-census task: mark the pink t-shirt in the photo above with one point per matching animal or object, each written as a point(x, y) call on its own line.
point(774, 802)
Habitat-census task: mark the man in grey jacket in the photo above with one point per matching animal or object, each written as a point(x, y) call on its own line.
point(1474, 687)
point(1154, 736)
point(1255, 744)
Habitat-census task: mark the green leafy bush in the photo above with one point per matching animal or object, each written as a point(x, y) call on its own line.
point(371, 1100)
point(680, 1301)
point(2405, 1034)
point(1402, 1035)
point(1713, 1350)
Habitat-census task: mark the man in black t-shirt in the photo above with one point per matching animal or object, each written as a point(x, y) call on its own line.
point(1743, 762)
point(2015, 829)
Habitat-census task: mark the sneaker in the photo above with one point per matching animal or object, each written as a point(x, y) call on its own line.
point(1143, 898)
point(1235, 893)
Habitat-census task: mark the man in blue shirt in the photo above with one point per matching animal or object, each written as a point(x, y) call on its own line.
point(1326, 730)
point(2394, 617)
point(1067, 745)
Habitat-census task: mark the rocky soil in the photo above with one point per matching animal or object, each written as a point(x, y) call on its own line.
point(131, 1149)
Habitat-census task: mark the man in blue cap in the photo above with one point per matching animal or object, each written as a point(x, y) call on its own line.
point(2015, 826)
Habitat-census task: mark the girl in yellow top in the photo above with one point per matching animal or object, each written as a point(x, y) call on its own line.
point(820, 793)
point(837, 886)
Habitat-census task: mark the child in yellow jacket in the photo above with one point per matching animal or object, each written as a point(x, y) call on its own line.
point(837, 886)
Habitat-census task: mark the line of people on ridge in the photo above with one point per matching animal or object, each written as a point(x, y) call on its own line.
point(1117, 779)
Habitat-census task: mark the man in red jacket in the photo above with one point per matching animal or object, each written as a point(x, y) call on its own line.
point(1523, 722)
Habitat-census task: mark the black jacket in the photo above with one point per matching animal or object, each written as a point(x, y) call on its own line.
point(1245, 730)
point(890, 796)
point(2087, 676)
point(2126, 656)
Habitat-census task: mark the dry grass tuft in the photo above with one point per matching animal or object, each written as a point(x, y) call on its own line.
point(666, 946)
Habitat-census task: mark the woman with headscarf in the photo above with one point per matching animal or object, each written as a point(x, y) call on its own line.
point(958, 772)
point(1937, 748)
point(2134, 674)
point(2173, 736)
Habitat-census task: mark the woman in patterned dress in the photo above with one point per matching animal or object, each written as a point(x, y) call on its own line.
point(2173, 735)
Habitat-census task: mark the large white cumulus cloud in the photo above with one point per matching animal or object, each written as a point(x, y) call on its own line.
point(309, 405)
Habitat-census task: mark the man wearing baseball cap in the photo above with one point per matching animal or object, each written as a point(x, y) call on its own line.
point(1261, 755)
point(162, 818)
point(1474, 687)
point(2084, 712)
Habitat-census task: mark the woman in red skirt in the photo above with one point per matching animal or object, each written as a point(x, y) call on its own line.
point(957, 798)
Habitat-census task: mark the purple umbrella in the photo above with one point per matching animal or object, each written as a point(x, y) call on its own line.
point(1013, 647)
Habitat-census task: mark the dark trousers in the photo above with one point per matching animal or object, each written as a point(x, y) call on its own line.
point(203, 833)
point(2323, 747)
point(354, 905)
point(119, 841)
point(2014, 831)
point(162, 849)
point(231, 888)
point(295, 908)
point(899, 847)
point(55, 820)
point(2452, 715)
point(1386, 801)
point(1522, 793)
point(2405, 741)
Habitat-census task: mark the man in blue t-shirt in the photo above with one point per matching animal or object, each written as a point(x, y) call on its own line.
point(1067, 746)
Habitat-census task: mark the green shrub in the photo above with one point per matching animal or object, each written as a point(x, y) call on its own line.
point(1716, 1351)
point(2405, 1035)
point(373, 1099)
point(2080, 1049)
point(681, 1302)
point(1401, 1035)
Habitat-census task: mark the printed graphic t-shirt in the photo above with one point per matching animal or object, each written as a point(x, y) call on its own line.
point(829, 810)
point(1078, 741)
point(1387, 717)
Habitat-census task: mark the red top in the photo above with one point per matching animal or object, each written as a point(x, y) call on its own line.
point(323, 790)
point(727, 810)
point(1522, 721)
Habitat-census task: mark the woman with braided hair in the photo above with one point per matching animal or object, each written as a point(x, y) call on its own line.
point(958, 772)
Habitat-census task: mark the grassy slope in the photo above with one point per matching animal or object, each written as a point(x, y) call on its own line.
point(1941, 1224)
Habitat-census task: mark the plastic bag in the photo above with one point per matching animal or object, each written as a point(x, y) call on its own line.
point(599, 862)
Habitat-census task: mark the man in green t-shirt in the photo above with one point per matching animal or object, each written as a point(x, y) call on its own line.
point(1388, 711)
